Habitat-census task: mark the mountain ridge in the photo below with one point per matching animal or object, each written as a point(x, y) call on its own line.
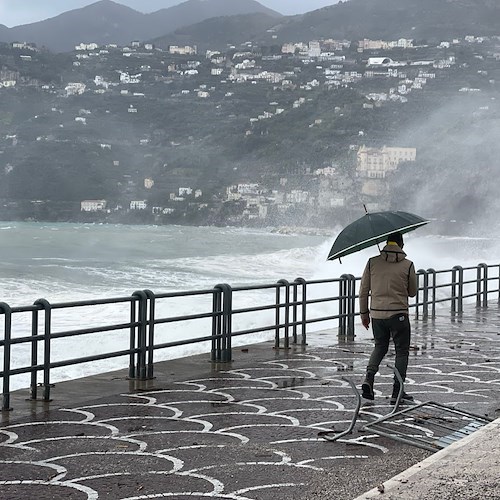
point(107, 21)
point(426, 20)
point(357, 19)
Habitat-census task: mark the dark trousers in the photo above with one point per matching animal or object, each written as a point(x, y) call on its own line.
point(398, 328)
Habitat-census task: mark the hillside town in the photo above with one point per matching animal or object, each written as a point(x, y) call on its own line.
point(126, 81)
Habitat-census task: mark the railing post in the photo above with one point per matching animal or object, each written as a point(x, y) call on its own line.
point(480, 284)
point(141, 337)
point(457, 290)
point(354, 298)
point(417, 296)
point(151, 333)
point(34, 356)
point(484, 267)
point(303, 317)
point(47, 330)
point(295, 296)
point(277, 318)
point(351, 305)
point(132, 338)
point(224, 354)
point(286, 339)
point(498, 299)
point(425, 303)
point(7, 312)
point(432, 272)
point(215, 353)
point(343, 297)
point(227, 353)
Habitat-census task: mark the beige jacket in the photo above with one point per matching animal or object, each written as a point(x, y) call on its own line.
point(391, 279)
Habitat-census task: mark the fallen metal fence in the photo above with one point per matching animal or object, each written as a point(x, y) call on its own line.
point(285, 308)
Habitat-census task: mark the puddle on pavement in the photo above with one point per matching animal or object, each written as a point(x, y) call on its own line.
point(291, 382)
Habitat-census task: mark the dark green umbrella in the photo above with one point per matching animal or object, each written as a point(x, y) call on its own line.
point(371, 229)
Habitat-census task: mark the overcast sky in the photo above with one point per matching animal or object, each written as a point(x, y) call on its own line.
point(15, 12)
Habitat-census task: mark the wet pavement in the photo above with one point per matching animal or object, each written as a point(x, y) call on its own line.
point(249, 429)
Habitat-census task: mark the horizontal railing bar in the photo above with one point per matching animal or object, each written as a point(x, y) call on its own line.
point(24, 309)
point(319, 301)
point(97, 357)
point(260, 308)
point(284, 305)
point(70, 333)
point(179, 343)
point(97, 329)
point(174, 319)
point(324, 318)
point(87, 303)
point(62, 305)
point(260, 329)
point(447, 299)
point(325, 280)
point(470, 295)
point(74, 361)
point(171, 295)
point(285, 325)
point(251, 288)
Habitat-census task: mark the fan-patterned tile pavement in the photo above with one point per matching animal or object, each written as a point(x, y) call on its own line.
point(248, 430)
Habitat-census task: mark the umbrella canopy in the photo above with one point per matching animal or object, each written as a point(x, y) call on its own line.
point(371, 229)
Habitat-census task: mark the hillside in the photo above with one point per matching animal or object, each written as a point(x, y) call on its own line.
point(246, 115)
point(219, 32)
point(107, 22)
point(422, 20)
point(392, 19)
point(257, 133)
point(195, 11)
point(102, 22)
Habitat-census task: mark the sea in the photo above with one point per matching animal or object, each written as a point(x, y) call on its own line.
point(66, 262)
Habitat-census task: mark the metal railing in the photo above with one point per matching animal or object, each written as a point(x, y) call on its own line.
point(285, 309)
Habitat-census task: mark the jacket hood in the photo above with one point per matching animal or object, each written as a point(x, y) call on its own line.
point(392, 253)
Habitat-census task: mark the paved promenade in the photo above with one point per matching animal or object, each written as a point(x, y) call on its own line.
point(249, 429)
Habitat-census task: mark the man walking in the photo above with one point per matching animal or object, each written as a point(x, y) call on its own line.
point(390, 278)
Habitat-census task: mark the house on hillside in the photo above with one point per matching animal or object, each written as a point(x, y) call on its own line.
point(367, 44)
point(138, 205)
point(75, 88)
point(93, 205)
point(186, 50)
point(382, 61)
point(376, 162)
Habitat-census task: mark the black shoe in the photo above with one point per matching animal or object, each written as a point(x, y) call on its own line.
point(405, 398)
point(367, 387)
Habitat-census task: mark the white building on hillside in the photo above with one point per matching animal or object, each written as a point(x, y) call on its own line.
point(186, 50)
point(376, 162)
point(75, 88)
point(93, 205)
point(138, 205)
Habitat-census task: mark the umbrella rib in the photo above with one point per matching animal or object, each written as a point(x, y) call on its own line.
point(379, 236)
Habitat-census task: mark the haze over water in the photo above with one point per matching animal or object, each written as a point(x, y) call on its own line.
point(62, 262)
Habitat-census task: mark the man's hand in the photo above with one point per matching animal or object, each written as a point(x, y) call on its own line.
point(365, 320)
